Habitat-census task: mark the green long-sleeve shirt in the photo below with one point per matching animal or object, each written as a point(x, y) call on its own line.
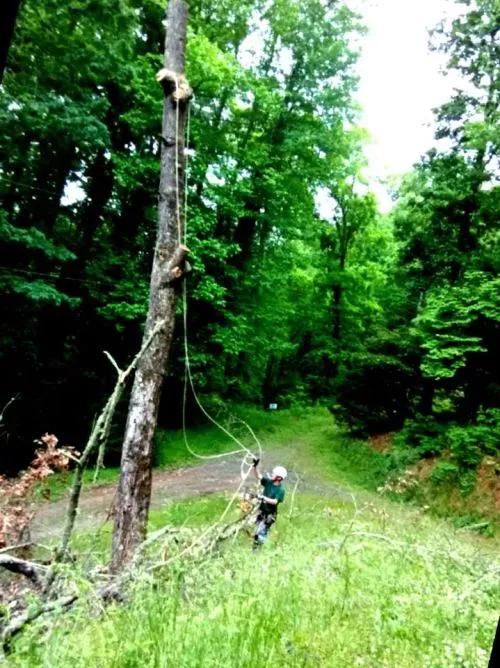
point(272, 491)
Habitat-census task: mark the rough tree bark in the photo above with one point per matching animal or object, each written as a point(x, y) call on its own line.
point(134, 489)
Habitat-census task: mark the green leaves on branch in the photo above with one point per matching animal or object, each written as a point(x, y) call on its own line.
point(34, 239)
point(449, 326)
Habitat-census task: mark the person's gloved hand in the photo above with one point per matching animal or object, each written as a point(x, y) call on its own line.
point(256, 461)
point(260, 497)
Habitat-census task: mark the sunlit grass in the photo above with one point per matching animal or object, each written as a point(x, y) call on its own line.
point(337, 585)
point(343, 581)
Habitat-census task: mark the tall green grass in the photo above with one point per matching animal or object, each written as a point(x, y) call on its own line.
point(378, 586)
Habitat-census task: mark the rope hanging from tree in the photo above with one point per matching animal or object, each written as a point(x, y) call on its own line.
point(183, 93)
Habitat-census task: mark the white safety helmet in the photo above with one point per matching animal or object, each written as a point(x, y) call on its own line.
point(279, 472)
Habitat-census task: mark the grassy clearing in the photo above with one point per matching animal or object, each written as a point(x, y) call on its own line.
point(293, 427)
point(380, 585)
point(339, 584)
point(325, 451)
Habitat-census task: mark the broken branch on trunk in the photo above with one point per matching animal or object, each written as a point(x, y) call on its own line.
point(174, 84)
point(177, 265)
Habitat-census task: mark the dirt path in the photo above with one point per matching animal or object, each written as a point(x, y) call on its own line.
point(215, 475)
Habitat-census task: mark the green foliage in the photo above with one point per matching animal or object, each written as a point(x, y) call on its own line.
point(390, 321)
point(464, 446)
point(373, 392)
point(34, 239)
point(474, 522)
point(80, 114)
point(471, 44)
point(450, 319)
point(470, 443)
point(399, 601)
point(424, 433)
point(401, 457)
point(467, 482)
point(445, 472)
point(40, 291)
point(434, 335)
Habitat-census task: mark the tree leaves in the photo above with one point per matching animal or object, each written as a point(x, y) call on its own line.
point(34, 239)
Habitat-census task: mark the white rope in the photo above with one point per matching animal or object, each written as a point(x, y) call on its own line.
point(247, 460)
point(188, 378)
point(186, 171)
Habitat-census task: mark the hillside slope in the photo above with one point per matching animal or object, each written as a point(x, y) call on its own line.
point(347, 579)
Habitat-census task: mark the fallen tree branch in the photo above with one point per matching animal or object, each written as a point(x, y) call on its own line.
point(160, 533)
point(293, 496)
point(202, 538)
point(20, 621)
point(99, 436)
point(11, 548)
point(23, 567)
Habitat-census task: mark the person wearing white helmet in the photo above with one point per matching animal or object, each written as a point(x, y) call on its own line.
point(273, 494)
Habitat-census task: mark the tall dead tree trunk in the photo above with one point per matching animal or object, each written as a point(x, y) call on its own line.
point(134, 489)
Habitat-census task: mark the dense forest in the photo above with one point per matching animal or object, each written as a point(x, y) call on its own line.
point(390, 320)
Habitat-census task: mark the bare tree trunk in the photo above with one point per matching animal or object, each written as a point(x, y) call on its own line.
point(337, 296)
point(338, 293)
point(134, 489)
